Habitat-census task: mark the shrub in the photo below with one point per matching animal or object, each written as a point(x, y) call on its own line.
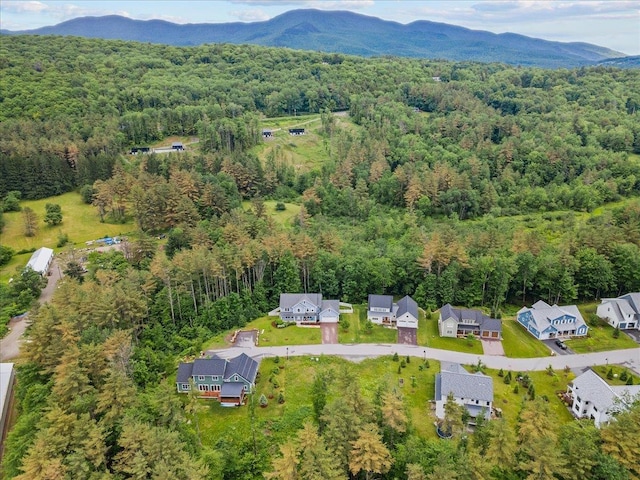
point(501, 373)
point(507, 378)
point(277, 359)
point(399, 369)
point(616, 333)
point(427, 364)
point(610, 374)
point(344, 324)
point(403, 364)
point(280, 207)
point(624, 375)
point(532, 392)
point(281, 397)
point(516, 389)
point(395, 357)
point(275, 383)
point(630, 380)
point(63, 239)
point(263, 401)
point(368, 326)
point(408, 359)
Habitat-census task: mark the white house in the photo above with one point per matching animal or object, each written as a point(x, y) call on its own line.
point(474, 391)
point(407, 313)
point(594, 398)
point(307, 308)
point(41, 260)
point(545, 321)
point(622, 312)
point(382, 310)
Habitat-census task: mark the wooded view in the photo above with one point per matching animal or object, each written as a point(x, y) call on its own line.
point(473, 184)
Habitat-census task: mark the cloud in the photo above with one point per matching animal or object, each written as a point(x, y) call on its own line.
point(23, 7)
point(254, 15)
point(319, 4)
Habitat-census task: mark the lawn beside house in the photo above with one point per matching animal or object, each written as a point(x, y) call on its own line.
point(600, 335)
point(616, 371)
point(518, 343)
point(358, 333)
point(434, 340)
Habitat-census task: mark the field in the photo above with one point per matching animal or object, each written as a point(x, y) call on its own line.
point(79, 221)
point(294, 376)
point(284, 217)
point(517, 343)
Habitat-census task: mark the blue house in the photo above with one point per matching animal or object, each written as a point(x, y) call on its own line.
point(225, 380)
point(545, 321)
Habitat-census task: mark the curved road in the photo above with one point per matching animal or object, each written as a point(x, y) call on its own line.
point(356, 352)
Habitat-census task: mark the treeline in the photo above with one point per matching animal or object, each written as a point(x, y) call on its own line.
point(487, 138)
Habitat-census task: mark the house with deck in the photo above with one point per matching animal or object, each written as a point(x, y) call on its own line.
point(622, 312)
point(307, 309)
point(225, 380)
point(545, 321)
point(592, 397)
point(457, 322)
point(474, 391)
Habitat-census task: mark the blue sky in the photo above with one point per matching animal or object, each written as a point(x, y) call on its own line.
point(609, 23)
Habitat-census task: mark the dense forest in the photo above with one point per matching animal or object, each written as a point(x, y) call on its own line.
point(474, 184)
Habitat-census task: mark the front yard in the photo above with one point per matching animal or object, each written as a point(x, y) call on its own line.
point(429, 336)
point(600, 338)
point(357, 332)
point(518, 343)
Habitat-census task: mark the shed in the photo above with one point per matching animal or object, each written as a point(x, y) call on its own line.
point(177, 146)
point(41, 260)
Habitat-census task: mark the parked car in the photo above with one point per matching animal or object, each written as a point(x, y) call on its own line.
point(561, 344)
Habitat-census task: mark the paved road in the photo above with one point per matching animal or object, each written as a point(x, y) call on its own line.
point(10, 344)
point(356, 352)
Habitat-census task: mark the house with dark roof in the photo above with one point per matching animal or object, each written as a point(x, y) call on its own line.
point(545, 321)
point(382, 310)
point(456, 322)
point(474, 391)
point(308, 308)
point(592, 397)
point(225, 380)
point(622, 312)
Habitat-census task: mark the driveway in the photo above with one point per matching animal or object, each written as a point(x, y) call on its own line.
point(492, 347)
point(556, 349)
point(407, 336)
point(329, 333)
point(246, 338)
point(634, 334)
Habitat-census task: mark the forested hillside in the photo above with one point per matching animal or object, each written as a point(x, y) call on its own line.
point(475, 184)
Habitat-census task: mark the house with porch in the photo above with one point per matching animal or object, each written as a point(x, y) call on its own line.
point(225, 380)
point(592, 397)
point(474, 391)
point(545, 321)
point(307, 309)
point(622, 312)
point(382, 310)
point(456, 322)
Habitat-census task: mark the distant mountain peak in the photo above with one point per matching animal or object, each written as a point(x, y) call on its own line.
point(344, 32)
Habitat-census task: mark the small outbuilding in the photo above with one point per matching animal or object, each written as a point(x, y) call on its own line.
point(178, 146)
point(41, 260)
point(266, 134)
point(296, 131)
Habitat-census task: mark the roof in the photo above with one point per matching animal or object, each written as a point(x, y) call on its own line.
point(209, 366)
point(625, 305)
point(543, 314)
point(464, 385)
point(407, 305)
point(176, 144)
point(231, 389)
point(480, 319)
point(288, 300)
point(380, 301)
point(590, 386)
point(243, 365)
point(331, 304)
point(6, 373)
point(184, 372)
point(39, 261)
point(634, 300)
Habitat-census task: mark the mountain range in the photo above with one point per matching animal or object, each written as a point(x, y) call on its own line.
point(345, 32)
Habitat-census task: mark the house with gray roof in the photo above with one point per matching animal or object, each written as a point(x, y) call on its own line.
point(457, 322)
point(382, 310)
point(545, 321)
point(622, 312)
point(307, 308)
point(225, 380)
point(592, 397)
point(474, 391)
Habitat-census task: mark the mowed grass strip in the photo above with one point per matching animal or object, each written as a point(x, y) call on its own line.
point(357, 332)
point(600, 335)
point(518, 343)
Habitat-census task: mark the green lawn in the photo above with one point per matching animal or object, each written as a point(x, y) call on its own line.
point(281, 421)
point(357, 332)
point(600, 335)
point(518, 343)
point(544, 384)
point(432, 338)
point(79, 221)
point(616, 371)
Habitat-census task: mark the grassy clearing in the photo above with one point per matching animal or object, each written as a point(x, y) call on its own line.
point(544, 384)
point(518, 343)
point(284, 218)
point(357, 332)
point(281, 421)
point(434, 340)
point(616, 371)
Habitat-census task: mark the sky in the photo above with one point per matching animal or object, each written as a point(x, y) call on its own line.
point(609, 23)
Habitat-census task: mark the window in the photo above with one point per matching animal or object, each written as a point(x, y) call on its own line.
point(579, 400)
point(201, 378)
point(477, 401)
point(203, 388)
point(216, 388)
point(245, 388)
point(595, 409)
point(215, 377)
point(235, 378)
point(186, 386)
